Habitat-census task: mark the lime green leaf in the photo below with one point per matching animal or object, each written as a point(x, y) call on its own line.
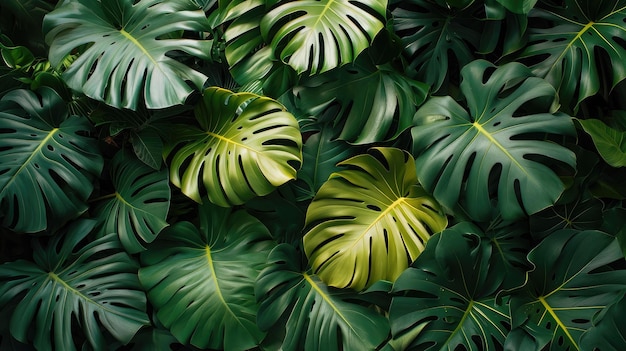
point(611, 143)
point(491, 151)
point(138, 211)
point(317, 36)
point(246, 146)
point(572, 282)
point(370, 103)
point(134, 28)
point(201, 282)
point(449, 294)
point(437, 39)
point(311, 315)
point(74, 285)
point(47, 164)
point(374, 211)
point(16, 56)
point(566, 46)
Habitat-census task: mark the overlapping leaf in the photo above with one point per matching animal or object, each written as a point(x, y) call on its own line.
point(126, 61)
point(138, 210)
point(47, 163)
point(570, 284)
point(310, 315)
point(369, 103)
point(450, 295)
point(246, 146)
point(74, 285)
point(317, 36)
point(201, 282)
point(565, 50)
point(437, 39)
point(491, 151)
point(369, 222)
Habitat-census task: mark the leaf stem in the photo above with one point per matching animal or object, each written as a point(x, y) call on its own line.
point(103, 197)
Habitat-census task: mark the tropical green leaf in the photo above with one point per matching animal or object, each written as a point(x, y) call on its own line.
point(316, 36)
point(320, 155)
point(610, 142)
point(581, 214)
point(437, 39)
point(572, 282)
point(125, 63)
point(449, 294)
point(369, 103)
point(148, 147)
point(608, 332)
point(565, 48)
point(16, 56)
point(138, 210)
point(496, 150)
point(74, 286)
point(374, 211)
point(201, 282)
point(311, 315)
point(517, 6)
point(246, 146)
point(47, 163)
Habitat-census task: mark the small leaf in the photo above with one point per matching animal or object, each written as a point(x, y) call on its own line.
point(311, 315)
point(611, 143)
point(137, 213)
point(374, 211)
point(201, 282)
point(148, 147)
point(74, 285)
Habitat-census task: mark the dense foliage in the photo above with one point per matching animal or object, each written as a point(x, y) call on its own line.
point(312, 175)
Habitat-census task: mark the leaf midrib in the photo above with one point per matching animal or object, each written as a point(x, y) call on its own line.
point(558, 321)
point(495, 142)
point(389, 208)
point(327, 299)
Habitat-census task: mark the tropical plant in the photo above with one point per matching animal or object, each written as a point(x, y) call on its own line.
point(312, 175)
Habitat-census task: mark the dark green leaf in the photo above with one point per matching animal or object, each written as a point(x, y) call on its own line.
point(201, 282)
point(148, 147)
point(74, 285)
point(609, 332)
point(610, 142)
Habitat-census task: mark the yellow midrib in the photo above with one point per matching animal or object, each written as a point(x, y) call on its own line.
point(488, 135)
point(390, 208)
point(209, 258)
point(230, 141)
point(138, 44)
point(28, 161)
point(569, 45)
point(326, 7)
point(53, 276)
point(558, 321)
point(327, 300)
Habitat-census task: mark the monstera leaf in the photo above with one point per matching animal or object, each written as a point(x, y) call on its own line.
point(567, 44)
point(437, 39)
point(494, 151)
point(246, 146)
point(317, 36)
point(371, 103)
point(572, 282)
point(74, 285)
point(201, 282)
point(137, 211)
point(374, 211)
point(47, 163)
point(308, 314)
point(125, 63)
point(450, 294)
point(608, 332)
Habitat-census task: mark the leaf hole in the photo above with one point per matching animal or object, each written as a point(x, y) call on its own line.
point(374, 208)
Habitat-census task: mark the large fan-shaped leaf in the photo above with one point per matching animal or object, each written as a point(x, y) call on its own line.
point(310, 315)
point(370, 221)
point(202, 282)
point(572, 281)
point(246, 146)
point(126, 61)
point(491, 152)
point(567, 43)
point(138, 210)
point(370, 103)
point(46, 162)
point(73, 285)
point(318, 35)
point(437, 39)
point(451, 294)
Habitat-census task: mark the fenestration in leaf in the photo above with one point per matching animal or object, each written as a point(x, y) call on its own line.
point(495, 153)
point(125, 62)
